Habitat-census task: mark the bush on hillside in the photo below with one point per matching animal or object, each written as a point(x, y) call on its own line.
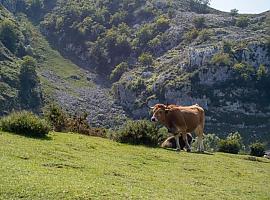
point(211, 142)
point(162, 23)
point(146, 59)
point(261, 72)
point(56, 116)
point(118, 71)
point(242, 22)
point(221, 59)
point(25, 123)
point(257, 149)
point(9, 34)
point(245, 70)
point(229, 146)
point(191, 35)
point(199, 22)
point(232, 144)
point(140, 132)
point(227, 47)
point(205, 35)
point(62, 122)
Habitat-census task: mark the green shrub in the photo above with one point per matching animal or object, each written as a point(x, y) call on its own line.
point(146, 59)
point(205, 35)
point(199, 22)
point(25, 123)
point(162, 23)
point(232, 144)
point(140, 132)
point(9, 34)
point(261, 72)
point(245, 70)
point(210, 141)
point(221, 59)
point(137, 84)
point(62, 122)
point(118, 71)
point(56, 116)
point(257, 149)
point(227, 47)
point(242, 22)
point(229, 146)
point(191, 35)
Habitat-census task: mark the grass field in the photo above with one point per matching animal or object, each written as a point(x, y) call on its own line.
point(71, 166)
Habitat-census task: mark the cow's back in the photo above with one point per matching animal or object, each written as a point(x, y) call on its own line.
point(189, 117)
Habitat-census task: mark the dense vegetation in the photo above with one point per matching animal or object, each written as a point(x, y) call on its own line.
point(20, 87)
point(105, 30)
point(25, 123)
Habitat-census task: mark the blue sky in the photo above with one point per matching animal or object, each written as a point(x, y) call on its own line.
point(244, 6)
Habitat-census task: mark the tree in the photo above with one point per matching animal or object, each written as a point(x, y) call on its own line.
point(29, 91)
point(199, 5)
point(234, 12)
point(9, 35)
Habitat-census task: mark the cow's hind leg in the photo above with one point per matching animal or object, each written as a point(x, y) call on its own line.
point(178, 148)
point(184, 135)
point(199, 133)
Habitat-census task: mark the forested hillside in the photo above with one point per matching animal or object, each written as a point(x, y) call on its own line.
point(20, 87)
point(138, 53)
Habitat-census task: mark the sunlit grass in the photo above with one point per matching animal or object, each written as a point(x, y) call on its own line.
point(71, 166)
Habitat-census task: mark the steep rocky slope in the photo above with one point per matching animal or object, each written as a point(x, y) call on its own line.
point(221, 73)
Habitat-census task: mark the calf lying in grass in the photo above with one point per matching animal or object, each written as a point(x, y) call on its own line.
point(171, 143)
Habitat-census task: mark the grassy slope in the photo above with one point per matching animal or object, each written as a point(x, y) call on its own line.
point(51, 60)
point(69, 166)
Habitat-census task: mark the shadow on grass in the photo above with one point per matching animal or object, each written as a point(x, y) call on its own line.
point(203, 153)
point(193, 152)
point(45, 137)
point(36, 137)
point(257, 159)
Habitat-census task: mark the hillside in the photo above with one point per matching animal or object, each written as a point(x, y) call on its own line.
point(114, 59)
point(61, 81)
point(71, 166)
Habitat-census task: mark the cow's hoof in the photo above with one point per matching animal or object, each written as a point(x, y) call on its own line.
point(188, 150)
point(178, 150)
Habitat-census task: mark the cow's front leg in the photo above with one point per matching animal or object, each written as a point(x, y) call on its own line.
point(184, 135)
point(178, 148)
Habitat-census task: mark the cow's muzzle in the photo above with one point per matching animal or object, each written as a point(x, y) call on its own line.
point(153, 119)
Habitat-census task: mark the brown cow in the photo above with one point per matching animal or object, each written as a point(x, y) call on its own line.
point(181, 120)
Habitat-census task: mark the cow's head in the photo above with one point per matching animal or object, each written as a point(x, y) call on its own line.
point(159, 113)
